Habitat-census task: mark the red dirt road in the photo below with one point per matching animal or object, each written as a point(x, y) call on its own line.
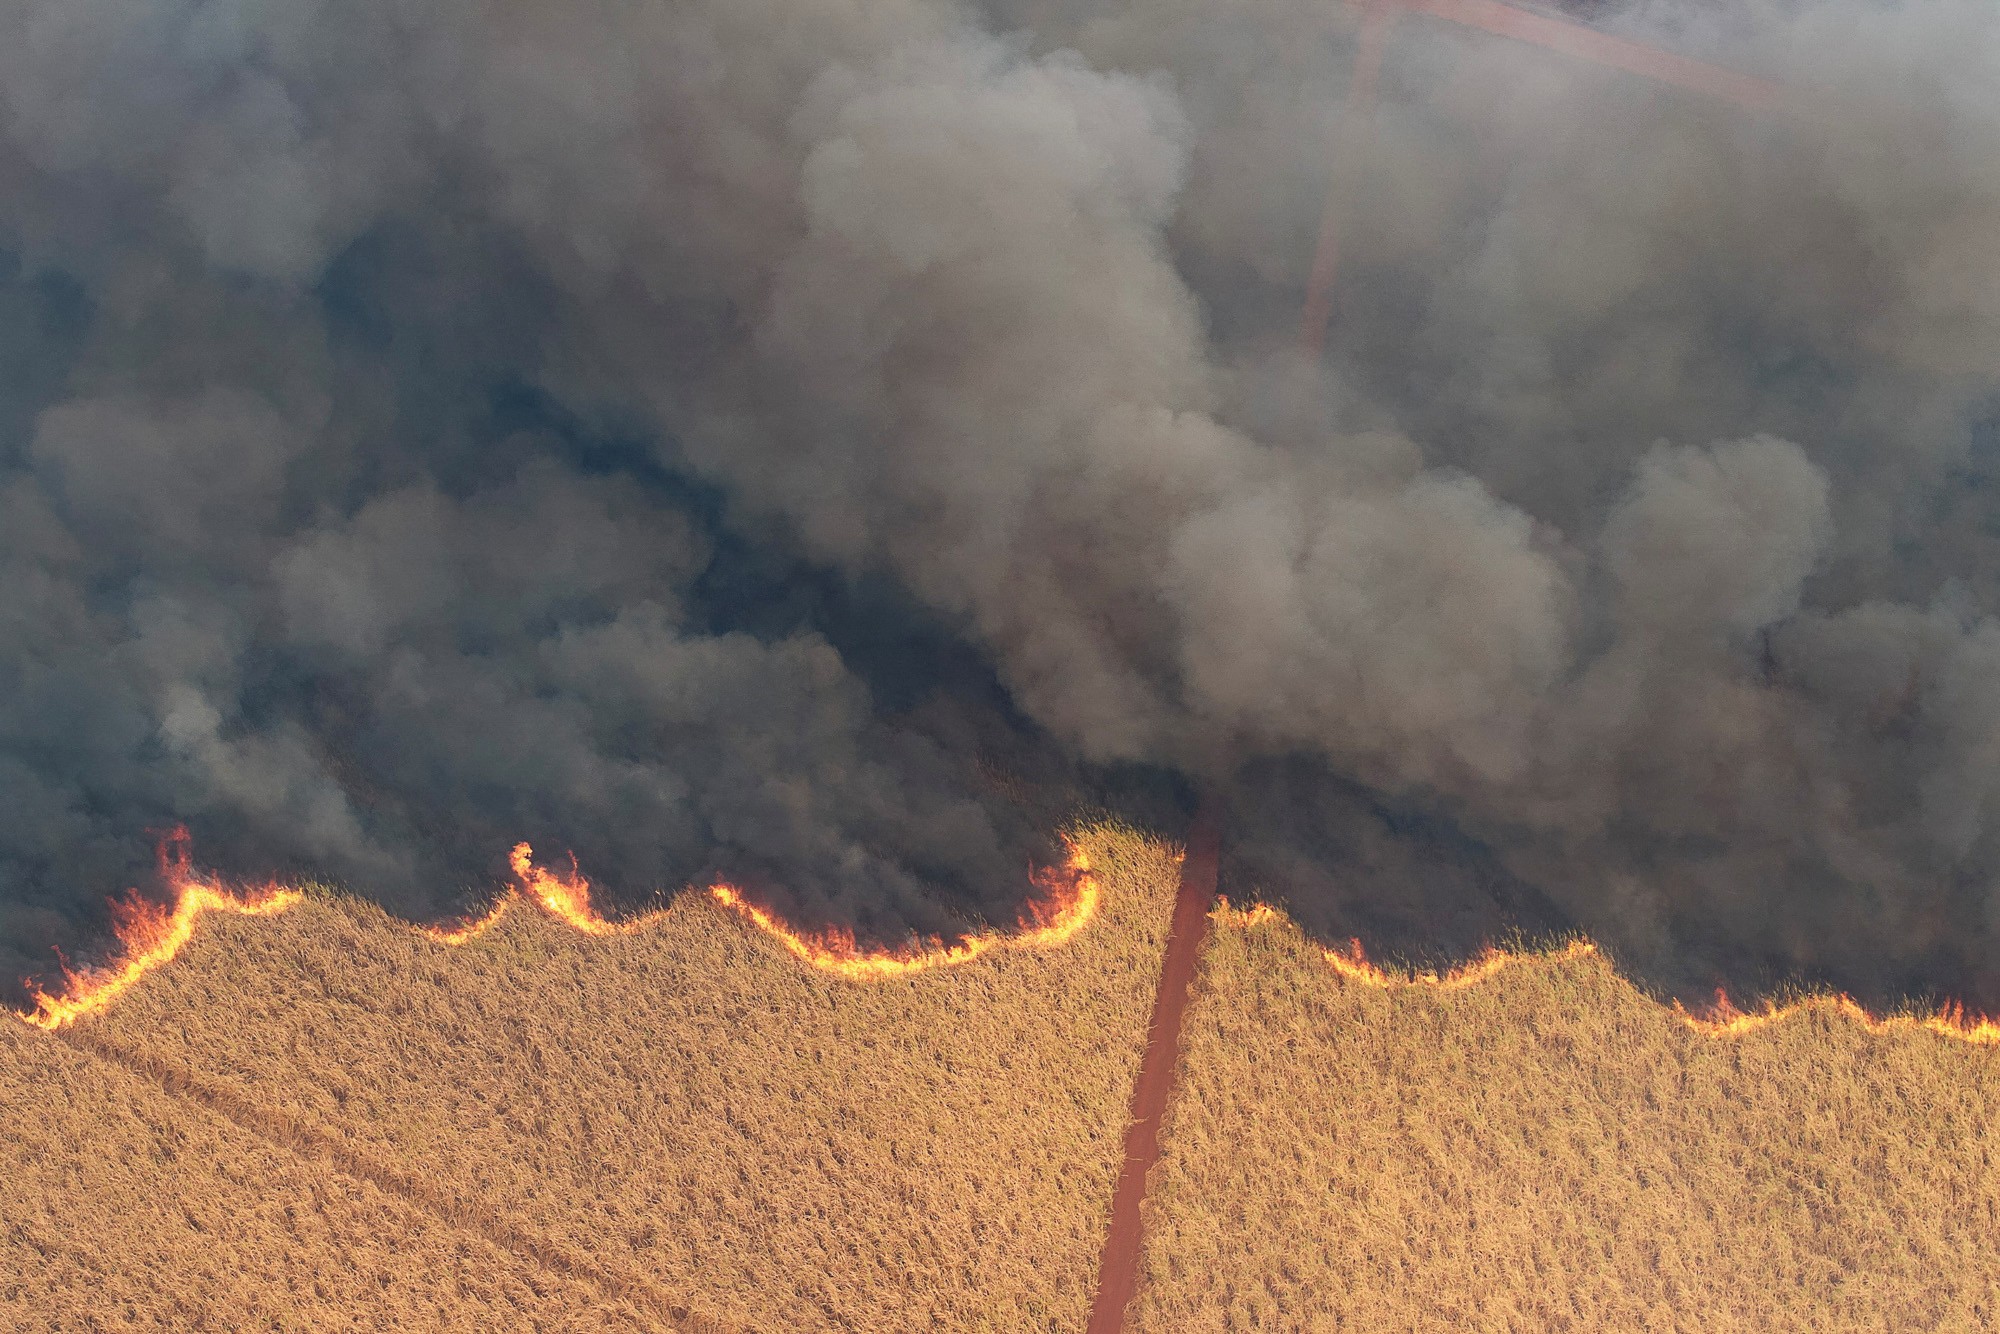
point(1549, 31)
point(1118, 1269)
point(1571, 38)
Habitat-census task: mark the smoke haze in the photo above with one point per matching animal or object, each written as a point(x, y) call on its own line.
point(811, 444)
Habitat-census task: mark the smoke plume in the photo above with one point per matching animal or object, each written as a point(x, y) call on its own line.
point(811, 444)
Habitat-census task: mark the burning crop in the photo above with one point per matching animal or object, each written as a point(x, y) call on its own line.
point(1722, 1020)
point(1071, 898)
point(150, 935)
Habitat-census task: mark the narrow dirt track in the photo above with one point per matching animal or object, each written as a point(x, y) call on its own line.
point(1118, 1268)
point(1583, 42)
point(1552, 32)
point(282, 1131)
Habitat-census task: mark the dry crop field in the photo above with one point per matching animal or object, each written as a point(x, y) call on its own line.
point(325, 1120)
point(1549, 1149)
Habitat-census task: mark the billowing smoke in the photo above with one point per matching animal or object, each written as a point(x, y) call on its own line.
point(809, 443)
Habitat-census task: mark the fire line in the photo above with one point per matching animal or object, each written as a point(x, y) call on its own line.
point(150, 935)
point(1721, 1020)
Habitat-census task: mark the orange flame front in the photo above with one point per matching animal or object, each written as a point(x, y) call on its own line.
point(150, 934)
point(563, 897)
point(1724, 1020)
point(1354, 965)
point(1951, 1020)
point(1074, 899)
point(1257, 914)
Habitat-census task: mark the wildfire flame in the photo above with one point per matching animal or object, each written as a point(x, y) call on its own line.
point(563, 897)
point(1257, 914)
point(1073, 899)
point(1723, 1020)
point(1354, 965)
point(1951, 1020)
point(151, 934)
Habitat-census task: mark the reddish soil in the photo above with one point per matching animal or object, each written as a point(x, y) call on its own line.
point(1118, 1269)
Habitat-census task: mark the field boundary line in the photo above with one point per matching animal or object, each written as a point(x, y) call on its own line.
point(287, 1134)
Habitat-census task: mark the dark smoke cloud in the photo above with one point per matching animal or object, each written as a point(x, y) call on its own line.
point(766, 439)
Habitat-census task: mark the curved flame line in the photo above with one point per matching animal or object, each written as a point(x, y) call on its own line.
point(151, 934)
point(1724, 1020)
point(1048, 923)
point(566, 898)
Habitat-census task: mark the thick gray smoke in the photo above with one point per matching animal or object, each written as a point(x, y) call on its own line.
point(418, 424)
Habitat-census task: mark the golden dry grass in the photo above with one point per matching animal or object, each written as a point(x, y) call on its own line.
point(1551, 1150)
point(330, 1120)
point(129, 1208)
point(326, 1121)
